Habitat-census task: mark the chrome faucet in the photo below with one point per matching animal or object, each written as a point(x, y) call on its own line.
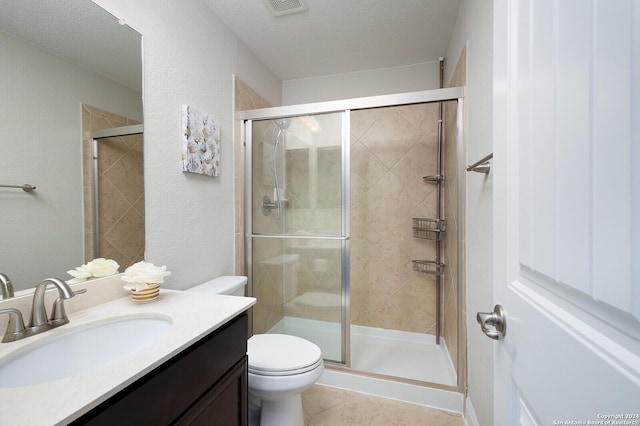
point(7, 287)
point(39, 322)
point(39, 318)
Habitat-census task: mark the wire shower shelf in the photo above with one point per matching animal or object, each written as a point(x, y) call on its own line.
point(430, 267)
point(429, 229)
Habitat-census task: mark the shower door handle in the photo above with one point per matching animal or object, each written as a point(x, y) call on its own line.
point(493, 324)
point(267, 205)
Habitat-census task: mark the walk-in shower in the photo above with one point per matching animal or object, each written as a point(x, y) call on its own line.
point(338, 198)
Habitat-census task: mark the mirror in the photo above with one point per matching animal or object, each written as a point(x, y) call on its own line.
point(60, 59)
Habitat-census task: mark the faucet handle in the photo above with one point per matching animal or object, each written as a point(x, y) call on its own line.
point(15, 327)
point(7, 287)
point(58, 314)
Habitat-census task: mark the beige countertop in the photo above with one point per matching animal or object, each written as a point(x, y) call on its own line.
point(193, 316)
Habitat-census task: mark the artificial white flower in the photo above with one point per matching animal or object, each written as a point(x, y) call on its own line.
point(97, 268)
point(139, 275)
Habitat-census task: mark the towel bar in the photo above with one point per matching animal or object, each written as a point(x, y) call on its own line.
point(26, 187)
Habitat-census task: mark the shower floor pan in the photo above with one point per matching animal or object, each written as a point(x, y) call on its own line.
point(374, 350)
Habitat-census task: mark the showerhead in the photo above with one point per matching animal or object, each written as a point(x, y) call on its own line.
point(282, 123)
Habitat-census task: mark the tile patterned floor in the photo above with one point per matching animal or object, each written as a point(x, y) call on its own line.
point(327, 406)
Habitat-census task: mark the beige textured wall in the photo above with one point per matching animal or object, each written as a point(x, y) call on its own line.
point(120, 189)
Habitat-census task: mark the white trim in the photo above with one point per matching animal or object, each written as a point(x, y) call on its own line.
point(470, 419)
point(420, 395)
point(436, 95)
point(503, 158)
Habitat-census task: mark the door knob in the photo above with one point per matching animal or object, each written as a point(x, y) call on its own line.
point(493, 324)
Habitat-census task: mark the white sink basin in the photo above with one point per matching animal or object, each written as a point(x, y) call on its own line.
point(80, 350)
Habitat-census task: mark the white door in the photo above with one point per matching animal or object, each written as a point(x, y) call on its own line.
point(567, 216)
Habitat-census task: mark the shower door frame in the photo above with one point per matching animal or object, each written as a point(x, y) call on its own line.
point(346, 106)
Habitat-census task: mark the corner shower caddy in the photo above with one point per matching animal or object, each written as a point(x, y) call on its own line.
point(434, 228)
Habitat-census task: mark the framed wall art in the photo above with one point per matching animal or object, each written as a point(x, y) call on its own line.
point(200, 142)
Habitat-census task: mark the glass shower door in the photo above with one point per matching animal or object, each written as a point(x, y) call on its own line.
point(298, 228)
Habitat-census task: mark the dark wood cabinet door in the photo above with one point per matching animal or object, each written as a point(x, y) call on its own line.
point(226, 404)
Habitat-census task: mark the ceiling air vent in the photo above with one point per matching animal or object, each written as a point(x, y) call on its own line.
point(285, 7)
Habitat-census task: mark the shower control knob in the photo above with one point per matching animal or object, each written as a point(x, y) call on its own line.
point(493, 324)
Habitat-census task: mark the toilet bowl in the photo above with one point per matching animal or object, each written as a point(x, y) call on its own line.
point(281, 366)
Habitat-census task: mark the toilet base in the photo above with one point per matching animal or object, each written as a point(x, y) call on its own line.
point(282, 411)
point(254, 414)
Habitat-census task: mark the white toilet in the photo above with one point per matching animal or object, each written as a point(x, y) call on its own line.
point(281, 366)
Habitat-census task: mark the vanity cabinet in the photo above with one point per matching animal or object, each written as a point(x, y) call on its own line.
point(203, 385)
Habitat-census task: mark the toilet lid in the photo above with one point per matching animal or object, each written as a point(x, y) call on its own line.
point(282, 353)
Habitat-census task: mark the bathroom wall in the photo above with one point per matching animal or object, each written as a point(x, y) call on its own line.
point(40, 117)
point(120, 189)
point(190, 57)
point(384, 81)
point(391, 150)
point(474, 29)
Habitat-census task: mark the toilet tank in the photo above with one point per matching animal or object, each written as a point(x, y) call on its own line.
point(228, 284)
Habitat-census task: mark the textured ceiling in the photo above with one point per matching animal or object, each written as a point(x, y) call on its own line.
point(332, 37)
point(80, 31)
point(338, 36)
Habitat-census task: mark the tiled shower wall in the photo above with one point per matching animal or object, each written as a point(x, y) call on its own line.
point(450, 200)
point(391, 150)
point(120, 189)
